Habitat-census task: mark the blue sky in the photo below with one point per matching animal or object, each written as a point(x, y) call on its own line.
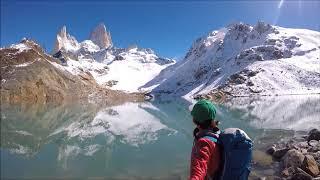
point(168, 27)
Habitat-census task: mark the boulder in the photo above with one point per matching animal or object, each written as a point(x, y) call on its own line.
point(303, 144)
point(278, 154)
point(314, 134)
point(310, 165)
point(313, 143)
point(288, 172)
point(295, 173)
point(293, 158)
point(314, 148)
point(303, 151)
point(301, 175)
point(316, 155)
point(271, 150)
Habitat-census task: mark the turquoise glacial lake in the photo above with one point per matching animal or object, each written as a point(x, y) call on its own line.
point(134, 140)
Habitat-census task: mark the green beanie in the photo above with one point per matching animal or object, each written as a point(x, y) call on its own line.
point(203, 110)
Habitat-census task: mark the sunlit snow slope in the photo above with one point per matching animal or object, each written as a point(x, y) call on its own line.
point(244, 60)
point(117, 68)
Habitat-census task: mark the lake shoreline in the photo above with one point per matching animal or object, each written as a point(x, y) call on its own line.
point(294, 158)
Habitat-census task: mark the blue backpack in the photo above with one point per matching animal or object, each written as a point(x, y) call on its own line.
point(236, 153)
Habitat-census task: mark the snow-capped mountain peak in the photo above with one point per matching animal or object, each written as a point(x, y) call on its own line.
point(63, 32)
point(244, 60)
point(111, 67)
point(65, 41)
point(89, 46)
point(101, 37)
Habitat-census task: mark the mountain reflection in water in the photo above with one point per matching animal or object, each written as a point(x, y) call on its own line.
point(136, 140)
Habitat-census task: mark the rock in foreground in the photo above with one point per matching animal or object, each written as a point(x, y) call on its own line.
point(299, 157)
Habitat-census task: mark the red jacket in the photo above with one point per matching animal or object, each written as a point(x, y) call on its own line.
point(205, 159)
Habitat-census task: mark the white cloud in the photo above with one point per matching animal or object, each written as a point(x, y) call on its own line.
point(280, 4)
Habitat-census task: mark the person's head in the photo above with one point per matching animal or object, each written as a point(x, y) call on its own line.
point(203, 114)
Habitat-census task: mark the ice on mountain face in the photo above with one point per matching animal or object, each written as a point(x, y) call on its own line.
point(65, 41)
point(88, 50)
point(101, 37)
point(89, 46)
point(131, 74)
point(287, 62)
point(131, 68)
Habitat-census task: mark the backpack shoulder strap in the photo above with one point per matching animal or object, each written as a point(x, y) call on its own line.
point(208, 134)
point(211, 138)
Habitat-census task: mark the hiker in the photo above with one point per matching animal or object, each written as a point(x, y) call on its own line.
point(218, 155)
point(205, 156)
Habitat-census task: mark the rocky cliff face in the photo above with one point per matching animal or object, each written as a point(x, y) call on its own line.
point(101, 37)
point(65, 41)
point(29, 74)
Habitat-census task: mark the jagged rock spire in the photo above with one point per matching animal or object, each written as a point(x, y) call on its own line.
point(65, 41)
point(101, 37)
point(63, 32)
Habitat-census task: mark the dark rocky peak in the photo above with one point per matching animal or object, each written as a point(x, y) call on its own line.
point(262, 27)
point(236, 31)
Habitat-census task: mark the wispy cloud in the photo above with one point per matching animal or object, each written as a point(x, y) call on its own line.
point(280, 4)
point(278, 12)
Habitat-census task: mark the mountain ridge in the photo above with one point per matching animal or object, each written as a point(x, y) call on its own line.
point(245, 60)
point(237, 60)
point(111, 67)
point(29, 74)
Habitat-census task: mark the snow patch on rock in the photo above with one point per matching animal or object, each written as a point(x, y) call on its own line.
point(21, 47)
